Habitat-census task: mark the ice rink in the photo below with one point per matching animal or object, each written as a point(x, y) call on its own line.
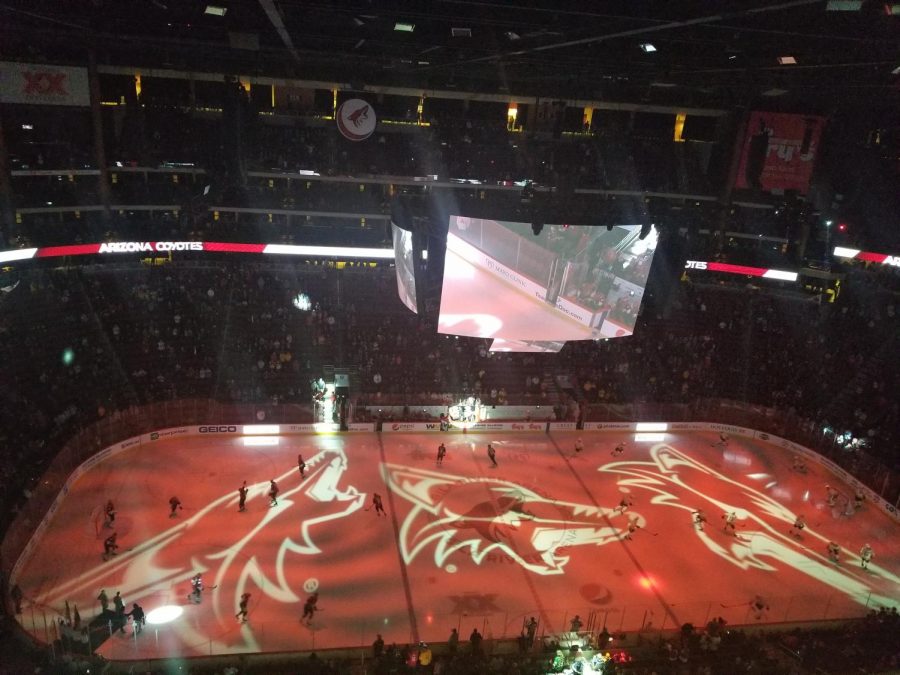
point(476, 303)
point(463, 545)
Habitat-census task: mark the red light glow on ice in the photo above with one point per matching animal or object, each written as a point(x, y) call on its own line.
point(648, 583)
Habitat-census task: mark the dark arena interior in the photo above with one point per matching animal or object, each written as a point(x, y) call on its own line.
point(449, 336)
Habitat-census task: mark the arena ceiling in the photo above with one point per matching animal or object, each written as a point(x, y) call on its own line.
point(716, 54)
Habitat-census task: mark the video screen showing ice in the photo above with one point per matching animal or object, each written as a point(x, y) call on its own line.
point(568, 283)
point(536, 346)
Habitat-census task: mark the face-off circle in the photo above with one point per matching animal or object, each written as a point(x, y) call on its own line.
point(596, 594)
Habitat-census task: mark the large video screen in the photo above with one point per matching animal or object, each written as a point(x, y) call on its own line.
point(567, 283)
point(403, 260)
point(536, 346)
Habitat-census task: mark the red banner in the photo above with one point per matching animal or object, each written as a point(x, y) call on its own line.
point(779, 152)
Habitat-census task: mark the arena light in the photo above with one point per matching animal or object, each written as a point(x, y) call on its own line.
point(326, 427)
point(867, 256)
point(651, 426)
point(261, 429)
point(403, 27)
point(302, 302)
point(727, 268)
point(164, 614)
point(260, 441)
point(215, 10)
point(17, 254)
point(330, 251)
point(780, 274)
point(142, 247)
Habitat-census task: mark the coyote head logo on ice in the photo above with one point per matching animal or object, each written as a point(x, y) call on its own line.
point(481, 516)
point(251, 555)
point(679, 481)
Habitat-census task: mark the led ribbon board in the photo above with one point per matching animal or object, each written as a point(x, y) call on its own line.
point(195, 246)
point(867, 256)
point(764, 272)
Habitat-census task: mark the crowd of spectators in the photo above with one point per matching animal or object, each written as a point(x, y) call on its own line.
point(80, 344)
point(113, 337)
point(865, 645)
point(461, 148)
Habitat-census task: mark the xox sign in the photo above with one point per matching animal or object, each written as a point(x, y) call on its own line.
point(43, 84)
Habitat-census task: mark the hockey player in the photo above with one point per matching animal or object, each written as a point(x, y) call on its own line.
point(576, 624)
point(175, 506)
point(492, 454)
point(759, 606)
point(834, 551)
point(797, 528)
point(104, 601)
point(301, 465)
point(722, 443)
point(242, 608)
point(579, 445)
point(273, 493)
point(618, 450)
point(798, 464)
point(110, 514)
point(120, 621)
point(632, 528)
point(831, 495)
point(730, 523)
point(137, 617)
point(378, 505)
point(110, 546)
point(196, 588)
point(699, 519)
point(858, 500)
point(624, 503)
point(310, 608)
point(441, 453)
point(242, 497)
point(865, 556)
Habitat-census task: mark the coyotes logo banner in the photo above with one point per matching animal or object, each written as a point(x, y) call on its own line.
point(779, 152)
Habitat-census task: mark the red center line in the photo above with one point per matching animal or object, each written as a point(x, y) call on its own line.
point(667, 608)
point(529, 581)
point(413, 626)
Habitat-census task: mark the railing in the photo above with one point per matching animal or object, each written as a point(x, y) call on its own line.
point(554, 624)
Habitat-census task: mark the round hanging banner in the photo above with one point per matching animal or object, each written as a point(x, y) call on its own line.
point(355, 119)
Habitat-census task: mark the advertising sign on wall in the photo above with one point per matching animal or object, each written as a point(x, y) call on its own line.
point(43, 84)
point(779, 152)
